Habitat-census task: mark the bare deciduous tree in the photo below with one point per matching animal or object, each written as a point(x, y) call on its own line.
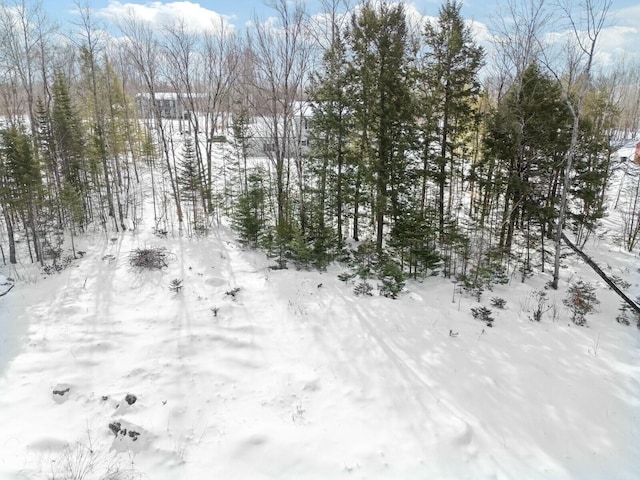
point(144, 51)
point(282, 50)
point(586, 28)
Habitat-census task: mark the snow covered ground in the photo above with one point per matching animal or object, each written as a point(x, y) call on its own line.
point(295, 377)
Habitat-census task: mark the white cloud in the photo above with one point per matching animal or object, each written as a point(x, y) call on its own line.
point(618, 42)
point(629, 16)
point(196, 17)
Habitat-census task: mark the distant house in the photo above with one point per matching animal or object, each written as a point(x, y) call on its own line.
point(261, 132)
point(170, 105)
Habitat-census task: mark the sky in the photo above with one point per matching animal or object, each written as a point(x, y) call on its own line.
point(619, 40)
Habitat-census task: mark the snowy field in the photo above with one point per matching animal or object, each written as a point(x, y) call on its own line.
point(254, 373)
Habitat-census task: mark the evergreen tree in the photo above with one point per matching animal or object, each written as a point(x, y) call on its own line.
point(591, 165)
point(20, 188)
point(69, 150)
point(250, 213)
point(190, 177)
point(97, 141)
point(452, 61)
point(328, 140)
point(380, 75)
point(525, 140)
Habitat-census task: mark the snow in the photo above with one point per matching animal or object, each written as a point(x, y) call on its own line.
point(295, 377)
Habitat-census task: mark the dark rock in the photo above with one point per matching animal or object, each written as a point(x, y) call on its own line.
point(130, 398)
point(115, 427)
point(134, 435)
point(61, 392)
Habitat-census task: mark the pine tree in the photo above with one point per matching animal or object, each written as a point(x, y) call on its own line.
point(328, 139)
point(525, 138)
point(69, 148)
point(452, 62)
point(592, 165)
point(190, 177)
point(250, 212)
point(20, 188)
point(382, 107)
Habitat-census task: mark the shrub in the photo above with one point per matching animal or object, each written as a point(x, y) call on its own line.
point(363, 289)
point(175, 285)
point(149, 258)
point(233, 293)
point(541, 307)
point(83, 462)
point(498, 302)
point(581, 300)
point(392, 278)
point(483, 314)
point(628, 315)
point(346, 276)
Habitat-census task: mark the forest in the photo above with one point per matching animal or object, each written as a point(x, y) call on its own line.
point(404, 146)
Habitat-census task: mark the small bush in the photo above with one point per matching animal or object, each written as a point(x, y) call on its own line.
point(498, 302)
point(363, 289)
point(541, 307)
point(233, 293)
point(475, 291)
point(620, 282)
point(346, 276)
point(581, 300)
point(392, 278)
point(149, 258)
point(160, 232)
point(483, 314)
point(175, 285)
point(628, 315)
point(58, 265)
point(83, 462)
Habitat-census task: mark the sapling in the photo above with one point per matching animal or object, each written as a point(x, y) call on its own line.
point(363, 289)
point(498, 302)
point(627, 315)
point(484, 314)
point(175, 285)
point(233, 293)
point(581, 300)
point(541, 305)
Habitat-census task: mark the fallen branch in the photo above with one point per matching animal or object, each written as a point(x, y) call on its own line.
point(6, 291)
point(603, 275)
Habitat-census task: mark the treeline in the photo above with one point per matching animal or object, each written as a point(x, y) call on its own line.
point(422, 152)
point(429, 161)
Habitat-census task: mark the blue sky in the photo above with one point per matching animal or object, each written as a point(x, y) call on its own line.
point(620, 39)
point(242, 10)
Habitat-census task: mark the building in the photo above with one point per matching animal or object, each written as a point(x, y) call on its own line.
point(170, 105)
point(262, 141)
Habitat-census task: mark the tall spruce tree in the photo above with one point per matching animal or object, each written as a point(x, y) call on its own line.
point(190, 177)
point(328, 140)
point(380, 72)
point(451, 63)
point(69, 151)
point(20, 189)
point(527, 136)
